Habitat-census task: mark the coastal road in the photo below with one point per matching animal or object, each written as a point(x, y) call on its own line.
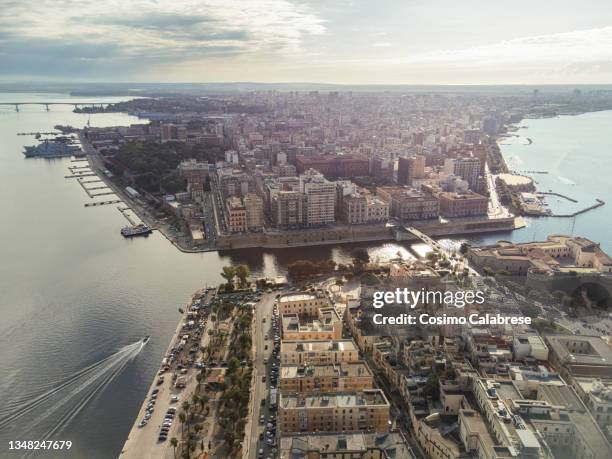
point(143, 442)
point(496, 210)
point(263, 309)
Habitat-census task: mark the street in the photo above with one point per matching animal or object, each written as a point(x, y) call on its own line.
point(263, 310)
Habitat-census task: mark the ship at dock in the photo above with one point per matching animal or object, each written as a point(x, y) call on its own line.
point(55, 147)
point(137, 230)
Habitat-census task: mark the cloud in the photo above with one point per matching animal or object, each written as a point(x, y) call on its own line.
point(581, 56)
point(382, 44)
point(580, 45)
point(136, 32)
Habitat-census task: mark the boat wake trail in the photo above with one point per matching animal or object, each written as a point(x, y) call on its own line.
point(67, 398)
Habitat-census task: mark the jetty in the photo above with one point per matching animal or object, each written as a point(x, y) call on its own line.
point(599, 203)
point(102, 203)
point(559, 195)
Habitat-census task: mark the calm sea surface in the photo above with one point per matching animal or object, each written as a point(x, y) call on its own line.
point(75, 296)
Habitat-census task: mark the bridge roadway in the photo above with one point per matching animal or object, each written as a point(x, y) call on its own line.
point(46, 104)
point(435, 245)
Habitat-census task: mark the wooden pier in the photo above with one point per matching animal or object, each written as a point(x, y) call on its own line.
point(94, 195)
point(81, 175)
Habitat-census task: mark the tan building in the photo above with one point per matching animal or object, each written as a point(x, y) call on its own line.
point(236, 215)
point(311, 379)
point(597, 396)
point(361, 208)
point(254, 211)
point(336, 412)
point(462, 204)
point(288, 208)
point(377, 210)
point(578, 355)
point(408, 203)
point(344, 446)
point(318, 352)
point(326, 326)
point(558, 253)
point(354, 210)
point(302, 303)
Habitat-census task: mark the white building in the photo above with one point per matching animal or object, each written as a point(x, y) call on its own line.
point(320, 198)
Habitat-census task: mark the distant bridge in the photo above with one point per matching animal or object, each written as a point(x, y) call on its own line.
point(47, 104)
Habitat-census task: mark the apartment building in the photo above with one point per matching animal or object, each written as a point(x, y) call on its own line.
point(335, 166)
point(302, 303)
point(320, 198)
point(253, 205)
point(462, 204)
point(597, 397)
point(236, 215)
point(344, 446)
point(327, 325)
point(361, 411)
point(409, 203)
point(311, 352)
point(409, 169)
point(363, 208)
point(333, 377)
point(468, 168)
point(288, 209)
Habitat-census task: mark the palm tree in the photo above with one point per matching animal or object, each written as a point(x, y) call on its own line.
point(174, 443)
point(182, 418)
point(204, 401)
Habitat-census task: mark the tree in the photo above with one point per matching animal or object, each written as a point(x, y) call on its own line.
point(174, 443)
point(360, 256)
point(182, 418)
point(243, 272)
point(229, 272)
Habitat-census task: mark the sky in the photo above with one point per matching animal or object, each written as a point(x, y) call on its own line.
point(324, 41)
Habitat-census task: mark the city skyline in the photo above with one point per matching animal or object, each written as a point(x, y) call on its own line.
point(270, 41)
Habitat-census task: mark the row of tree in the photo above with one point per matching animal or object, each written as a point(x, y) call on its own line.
point(230, 273)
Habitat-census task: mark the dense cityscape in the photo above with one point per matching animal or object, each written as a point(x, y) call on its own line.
point(277, 169)
point(297, 366)
point(298, 229)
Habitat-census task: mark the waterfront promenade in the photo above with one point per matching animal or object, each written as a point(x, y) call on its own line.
point(142, 442)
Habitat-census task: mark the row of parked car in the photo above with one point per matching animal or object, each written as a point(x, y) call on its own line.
point(268, 435)
point(150, 408)
point(167, 424)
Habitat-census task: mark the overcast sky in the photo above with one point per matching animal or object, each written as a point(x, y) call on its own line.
point(332, 41)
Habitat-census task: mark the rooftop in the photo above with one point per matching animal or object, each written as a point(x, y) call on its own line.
point(346, 370)
point(299, 446)
point(371, 397)
point(341, 345)
point(297, 297)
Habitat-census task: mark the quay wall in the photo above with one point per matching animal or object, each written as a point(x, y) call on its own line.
point(366, 233)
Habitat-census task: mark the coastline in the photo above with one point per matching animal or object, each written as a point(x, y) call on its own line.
point(138, 437)
point(336, 235)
